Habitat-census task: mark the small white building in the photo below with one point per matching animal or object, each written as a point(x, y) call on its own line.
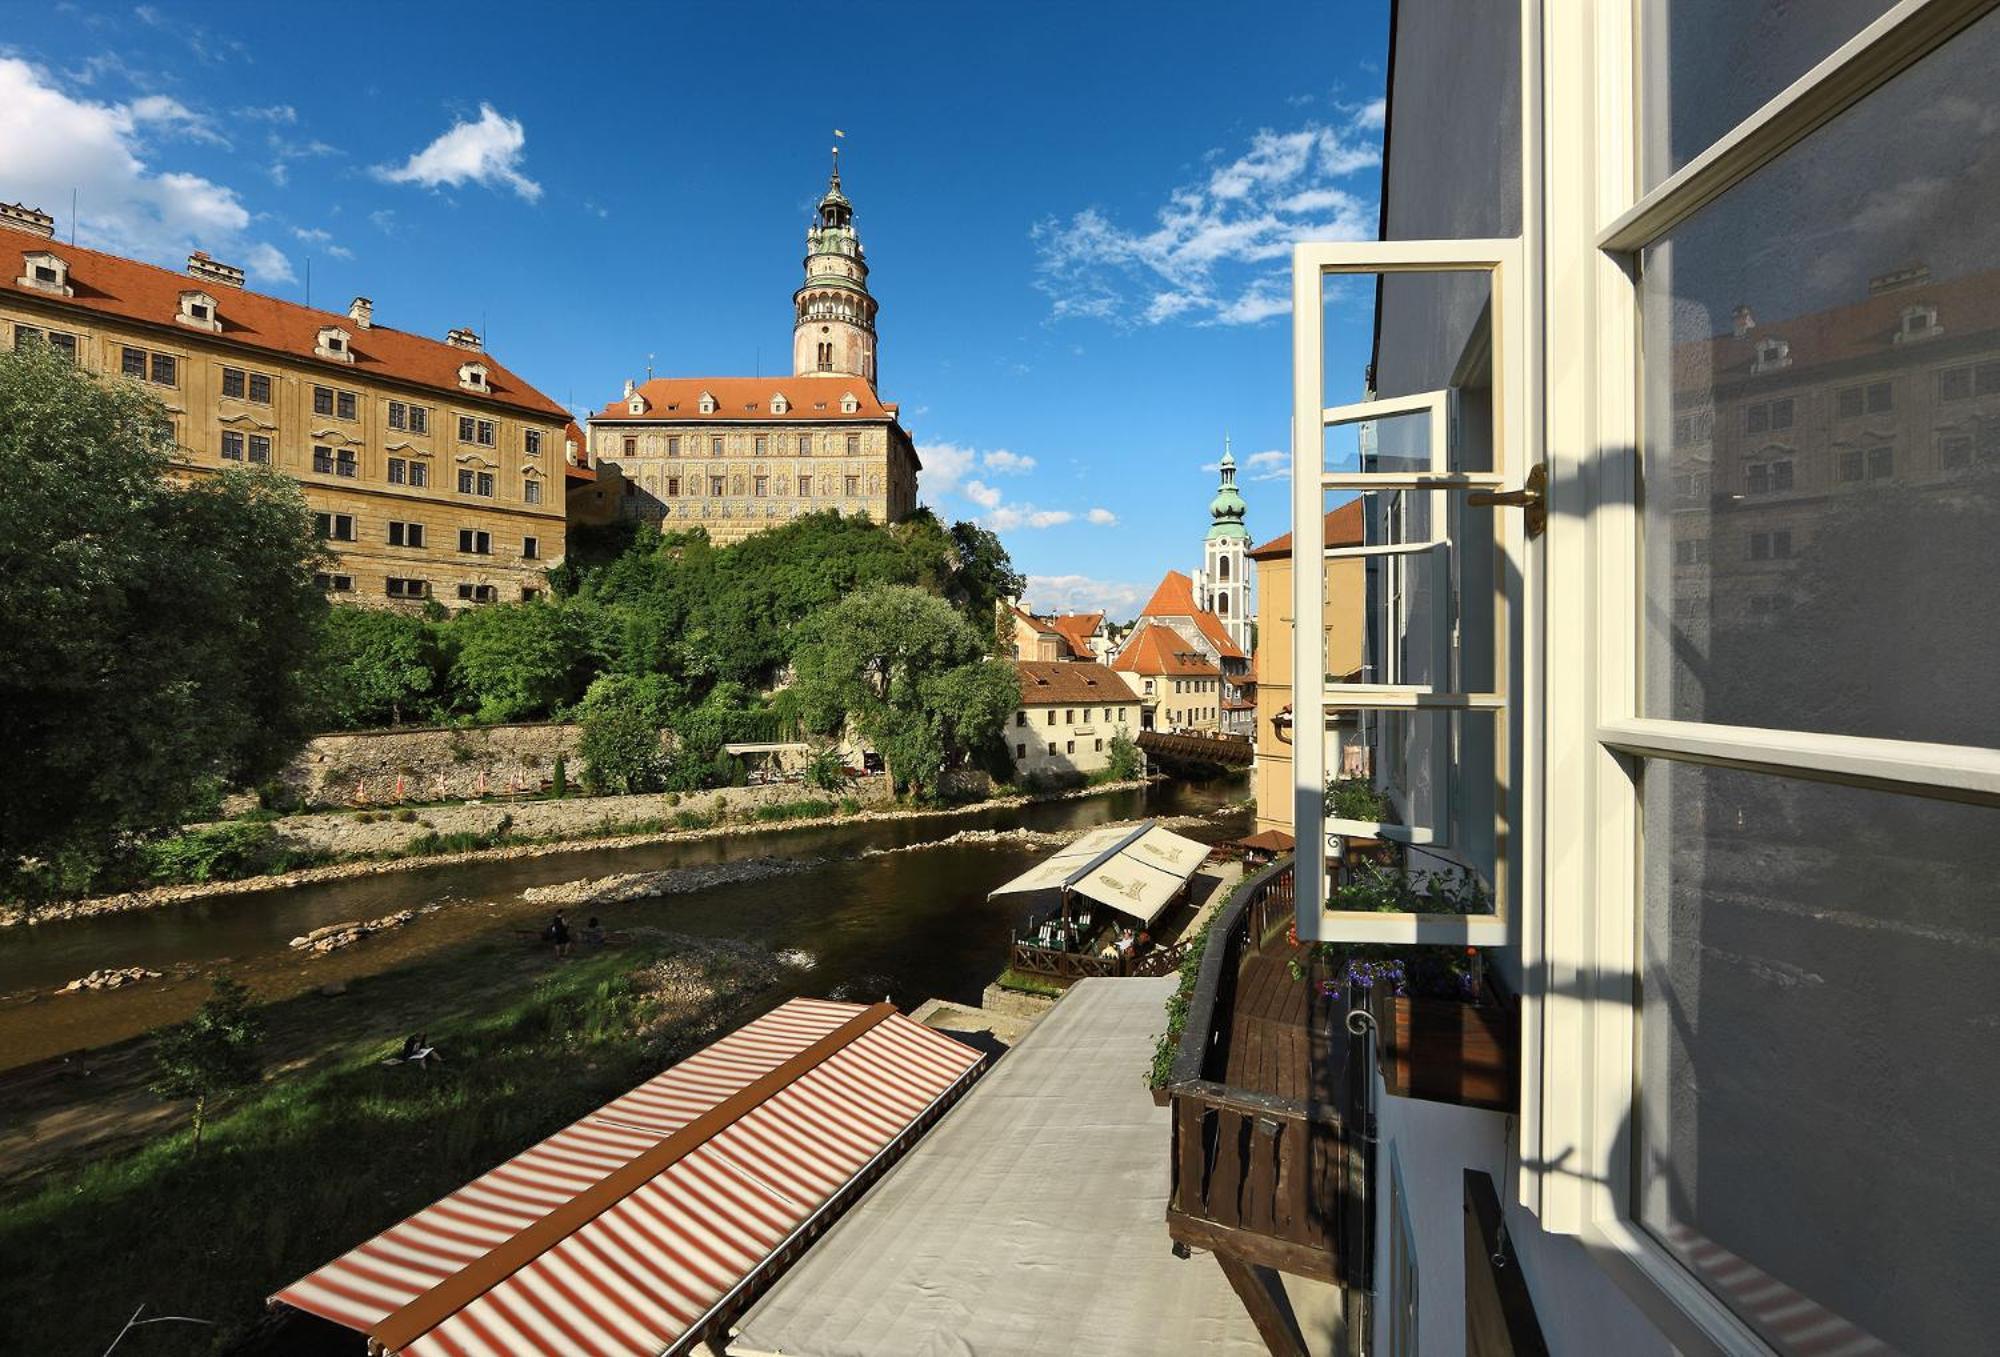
point(1070, 712)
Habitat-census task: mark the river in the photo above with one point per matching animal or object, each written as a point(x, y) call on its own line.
point(903, 925)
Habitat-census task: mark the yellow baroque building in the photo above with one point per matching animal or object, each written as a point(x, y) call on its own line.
point(736, 455)
point(433, 472)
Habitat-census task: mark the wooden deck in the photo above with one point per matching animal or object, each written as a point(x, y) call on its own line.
point(1284, 1037)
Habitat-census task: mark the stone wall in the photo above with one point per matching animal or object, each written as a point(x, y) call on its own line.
point(344, 832)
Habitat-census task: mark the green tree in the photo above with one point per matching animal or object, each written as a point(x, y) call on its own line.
point(1123, 759)
point(906, 668)
point(620, 743)
point(212, 1053)
point(985, 573)
point(511, 661)
point(154, 635)
point(376, 667)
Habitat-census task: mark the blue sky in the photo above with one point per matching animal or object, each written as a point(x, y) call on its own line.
point(1078, 217)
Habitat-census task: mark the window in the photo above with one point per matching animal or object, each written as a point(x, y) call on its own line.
point(1874, 398)
point(1052, 719)
point(322, 460)
point(471, 430)
point(1020, 752)
point(475, 542)
point(631, 443)
point(1955, 384)
point(531, 549)
point(715, 485)
point(333, 527)
point(1691, 551)
point(472, 482)
point(344, 463)
point(1052, 747)
point(529, 593)
point(1100, 747)
point(478, 593)
point(235, 383)
point(761, 443)
point(132, 363)
point(406, 588)
point(408, 471)
point(1954, 450)
point(333, 584)
point(673, 445)
point(853, 486)
point(232, 446)
point(340, 404)
point(531, 442)
point(406, 534)
point(409, 418)
point(805, 487)
point(715, 446)
point(260, 449)
point(1069, 746)
point(531, 491)
point(58, 340)
point(1881, 463)
point(805, 445)
point(166, 370)
point(1765, 416)
point(161, 369)
point(854, 445)
point(1766, 477)
point(673, 485)
point(1020, 718)
point(760, 486)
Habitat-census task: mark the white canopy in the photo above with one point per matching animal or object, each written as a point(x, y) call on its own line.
point(1133, 869)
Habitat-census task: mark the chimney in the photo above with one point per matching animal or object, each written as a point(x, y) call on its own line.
point(463, 338)
point(213, 271)
point(629, 388)
point(362, 312)
point(30, 219)
point(1745, 321)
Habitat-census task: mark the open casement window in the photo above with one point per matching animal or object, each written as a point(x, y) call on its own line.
point(1418, 667)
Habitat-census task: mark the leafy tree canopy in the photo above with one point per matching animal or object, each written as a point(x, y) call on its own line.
point(511, 661)
point(154, 635)
point(212, 1053)
point(377, 667)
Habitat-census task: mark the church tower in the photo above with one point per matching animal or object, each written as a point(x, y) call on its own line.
point(1225, 580)
point(835, 330)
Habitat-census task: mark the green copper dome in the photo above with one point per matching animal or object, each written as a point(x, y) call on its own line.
point(1227, 509)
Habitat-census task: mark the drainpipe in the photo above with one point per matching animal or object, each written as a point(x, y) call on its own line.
point(1357, 1242)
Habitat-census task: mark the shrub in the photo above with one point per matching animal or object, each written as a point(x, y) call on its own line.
point(405, 816)
point(223, 852)
point(849, 806)
point(559, 780)
point(1355, 798)
point(1125, 759)
point(826, 771)
point(620, 747)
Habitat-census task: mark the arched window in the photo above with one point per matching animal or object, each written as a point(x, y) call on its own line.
point(1222, 605)
point(1222, 568)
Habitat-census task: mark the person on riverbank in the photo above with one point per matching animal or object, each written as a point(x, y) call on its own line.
point(559, 935)
point(593, 933)
point(417, 1050)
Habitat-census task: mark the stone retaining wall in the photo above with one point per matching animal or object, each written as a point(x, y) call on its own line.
point(343, 832)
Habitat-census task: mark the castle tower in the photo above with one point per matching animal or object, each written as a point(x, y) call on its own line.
point(835, 329)
point(1225, 577)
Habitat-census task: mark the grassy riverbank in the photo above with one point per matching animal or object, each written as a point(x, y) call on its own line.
point(315, 1161)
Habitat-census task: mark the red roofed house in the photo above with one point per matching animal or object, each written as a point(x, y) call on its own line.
point(1070, 712)
point(1180, 627)
point(431, 470)
point(1074, 636)
point(1180, 687)
point(736, 455)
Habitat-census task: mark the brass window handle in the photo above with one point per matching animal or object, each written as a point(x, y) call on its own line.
point(1532, 496)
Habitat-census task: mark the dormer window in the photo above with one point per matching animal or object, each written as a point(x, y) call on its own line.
point(1919, 322)
point(46, 272)
point(707, 403)
point(848, 404)
point(1772, 354)
point(472, 376)
point(333, 342)
point(636, 405)
point(198, 309)
point(779, 404)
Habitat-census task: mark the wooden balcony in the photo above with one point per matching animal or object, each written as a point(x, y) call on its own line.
point(1270, 1169)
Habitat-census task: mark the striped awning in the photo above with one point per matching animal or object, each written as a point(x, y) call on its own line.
point(630, 1230)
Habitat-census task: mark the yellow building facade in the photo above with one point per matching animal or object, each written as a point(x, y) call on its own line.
point(431, 470)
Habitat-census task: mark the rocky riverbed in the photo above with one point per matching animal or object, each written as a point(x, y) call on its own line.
point(623, 886)
point(333, 937)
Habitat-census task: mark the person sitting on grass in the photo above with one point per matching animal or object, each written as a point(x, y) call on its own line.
point(593, 932)
point(417, 1050)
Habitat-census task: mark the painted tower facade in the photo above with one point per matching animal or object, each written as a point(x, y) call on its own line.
point(834, 334)
point(1223, 585)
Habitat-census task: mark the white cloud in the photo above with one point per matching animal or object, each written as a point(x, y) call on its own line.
point(1271, 465)
point(167, 116)
point(1082, 594)
point(1371, 115)
point(51, 143)
point(982, 494)
point(1216, 252)
point(485, 152)
point(1006, 517)
point(384, 220)
point(272, 113)
point(944, 466)
point(1102, 517)
point(322, 240)
point(1007, 463)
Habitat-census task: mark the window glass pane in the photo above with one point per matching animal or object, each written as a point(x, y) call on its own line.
point(1819, 1079)
point(1712, 63)
point(1833, 562)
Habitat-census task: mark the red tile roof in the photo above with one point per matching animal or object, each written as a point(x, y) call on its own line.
point(1077, 629)
point(1159, 649)
point(110, 286)
point(1343, 529)
point(749, 398)
point(580, 470)
point(1175, 598)
point(1082, 681)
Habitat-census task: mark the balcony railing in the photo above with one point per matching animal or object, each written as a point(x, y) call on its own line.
point(1271, 1160)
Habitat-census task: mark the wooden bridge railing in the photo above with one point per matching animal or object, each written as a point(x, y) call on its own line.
point(1066, 966)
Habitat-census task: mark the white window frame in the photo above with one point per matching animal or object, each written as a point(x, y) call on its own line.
point(1312, 263)
point(1580, 1013)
